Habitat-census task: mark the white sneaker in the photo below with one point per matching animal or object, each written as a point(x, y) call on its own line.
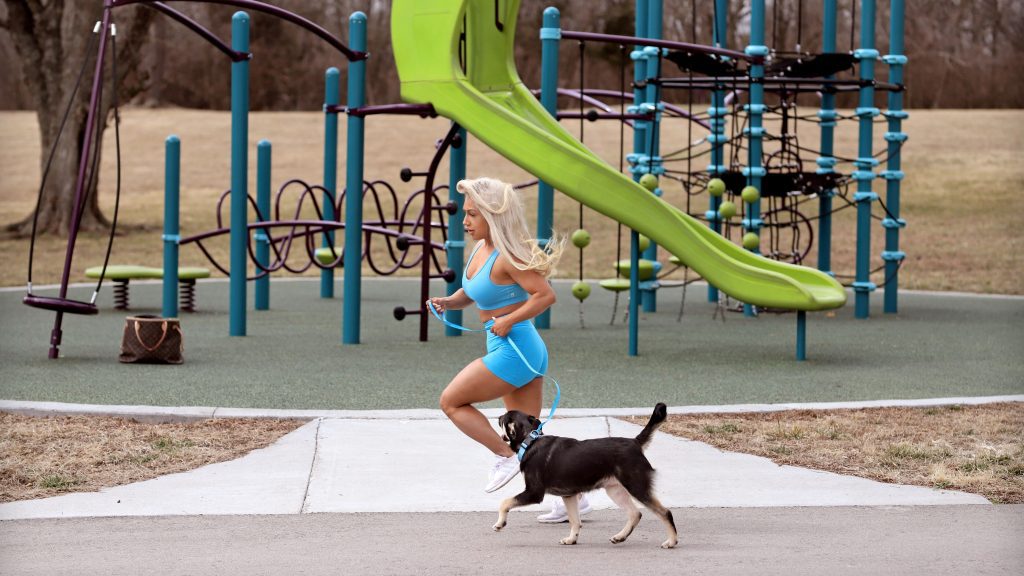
point(558, 513)
point(504, 469)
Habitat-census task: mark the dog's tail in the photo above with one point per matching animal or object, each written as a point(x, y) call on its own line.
point(659, 415)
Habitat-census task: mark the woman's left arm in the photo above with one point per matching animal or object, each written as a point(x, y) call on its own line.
point(542, 296)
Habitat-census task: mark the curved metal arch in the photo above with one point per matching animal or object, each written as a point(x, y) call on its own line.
point(275, 11)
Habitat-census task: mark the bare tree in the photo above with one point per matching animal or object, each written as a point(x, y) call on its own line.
point(50, 39)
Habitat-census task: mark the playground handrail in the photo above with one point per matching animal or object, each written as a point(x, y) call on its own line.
point(696, 48)
point(351, 55)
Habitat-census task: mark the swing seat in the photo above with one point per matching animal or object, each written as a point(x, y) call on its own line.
point(815, 66)
point(60, 304)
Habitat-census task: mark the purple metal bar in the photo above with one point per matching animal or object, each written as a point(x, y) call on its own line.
point(352, 55)
point(421, 110)
point(428, 196)
point(194, 26)
point(626, 40)
point(603, 116)
point(83, 163)
point(588, 92)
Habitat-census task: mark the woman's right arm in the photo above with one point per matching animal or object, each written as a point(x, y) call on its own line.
point(456, 301)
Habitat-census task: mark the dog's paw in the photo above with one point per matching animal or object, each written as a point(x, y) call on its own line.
point(497, 527)
point(616, 539)
point(671, 543)
point(568, 541)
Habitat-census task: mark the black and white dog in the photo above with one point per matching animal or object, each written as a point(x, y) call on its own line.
point(567, 467)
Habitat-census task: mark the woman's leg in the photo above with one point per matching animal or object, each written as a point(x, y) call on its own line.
point(527, 398)
point(475, 383)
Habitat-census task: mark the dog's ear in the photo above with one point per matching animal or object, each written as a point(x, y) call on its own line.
point(534, 422)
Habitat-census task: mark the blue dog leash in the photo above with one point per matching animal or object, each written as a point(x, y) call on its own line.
point(558, 389)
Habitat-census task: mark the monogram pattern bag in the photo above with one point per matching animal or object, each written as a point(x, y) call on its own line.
point(152, 340)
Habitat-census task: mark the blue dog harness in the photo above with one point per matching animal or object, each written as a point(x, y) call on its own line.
point(558, 389)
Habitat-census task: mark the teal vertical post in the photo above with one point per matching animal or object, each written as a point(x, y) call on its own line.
point(801, 336)
point(717, 114)
point(239, 175)
point(331, 98)
point(893, 175)
point(826, 162)
point(550, 35)
point(456, 244)
point(639, 160)
point(262, 235)
point(649, 298)
point(171, 237)
point(634, 285)
point(754, 171)
point(354, 184)
point(866, 112)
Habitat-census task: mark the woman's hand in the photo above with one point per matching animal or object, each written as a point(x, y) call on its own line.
point(502, 326)
point(439, 304)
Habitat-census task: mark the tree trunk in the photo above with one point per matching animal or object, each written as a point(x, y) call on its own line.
point(51, 40)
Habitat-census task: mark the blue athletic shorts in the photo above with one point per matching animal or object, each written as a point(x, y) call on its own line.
point(503, 361)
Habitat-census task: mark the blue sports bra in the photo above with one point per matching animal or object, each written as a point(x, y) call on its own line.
point(487, 294)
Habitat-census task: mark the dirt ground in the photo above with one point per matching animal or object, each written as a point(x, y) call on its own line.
point(977, 449)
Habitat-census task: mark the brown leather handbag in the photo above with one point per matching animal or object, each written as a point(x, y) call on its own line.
point(151, 339)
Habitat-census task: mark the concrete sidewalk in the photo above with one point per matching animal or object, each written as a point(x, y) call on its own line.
point(427, 465)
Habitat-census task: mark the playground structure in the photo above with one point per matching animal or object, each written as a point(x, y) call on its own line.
point(455, 59)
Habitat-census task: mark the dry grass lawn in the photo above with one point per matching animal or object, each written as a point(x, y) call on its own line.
point(41, 457)
point(960, 197)
point(977, 449)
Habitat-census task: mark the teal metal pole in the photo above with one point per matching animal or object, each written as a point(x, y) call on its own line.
point(826, 162)
point(262, 235)
point(864, 196)
point(649, 298)
point(239, 175)
point(331, 98)
point(801, 336)
point(634, 285)
point(550, 35)
point(893, 175)
point(456, 244)
point(171, 237)
point(754, 171)
point(639, 165)
point(717, 117)
point(354, 184)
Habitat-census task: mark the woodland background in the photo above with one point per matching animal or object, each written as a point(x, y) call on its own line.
point(962, 53)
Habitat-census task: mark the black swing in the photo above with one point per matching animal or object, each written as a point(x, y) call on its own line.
point(63, 304)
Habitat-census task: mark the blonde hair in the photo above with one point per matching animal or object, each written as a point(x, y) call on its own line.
point(501, 206)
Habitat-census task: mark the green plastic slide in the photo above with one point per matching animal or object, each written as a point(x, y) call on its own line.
point(491, 102)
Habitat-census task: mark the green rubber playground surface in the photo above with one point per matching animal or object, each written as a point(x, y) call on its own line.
point(939, 345)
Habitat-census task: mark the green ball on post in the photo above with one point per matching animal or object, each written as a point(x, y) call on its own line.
point(751, 241)
point(649, 181)
point(727, 210)
point(716, 187)
point(750, 194)
point(580, 238)
point(581, 290)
